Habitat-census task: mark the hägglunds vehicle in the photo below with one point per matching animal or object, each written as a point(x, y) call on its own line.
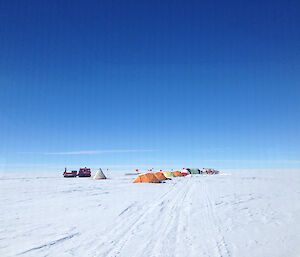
point(70, 174)
point(84, 172)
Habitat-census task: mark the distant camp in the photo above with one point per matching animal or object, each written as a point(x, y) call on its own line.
point(155, 177)
point(158, 177)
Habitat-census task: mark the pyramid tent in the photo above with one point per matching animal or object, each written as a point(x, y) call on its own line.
point(146, 178)
point(160, 176)
point(177, 174)
point(194, 171)
point(169, 174)
point(99, 174)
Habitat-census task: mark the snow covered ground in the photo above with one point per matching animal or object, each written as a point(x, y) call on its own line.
point(231, 214)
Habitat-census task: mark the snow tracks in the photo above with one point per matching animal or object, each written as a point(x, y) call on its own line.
point(182, 222)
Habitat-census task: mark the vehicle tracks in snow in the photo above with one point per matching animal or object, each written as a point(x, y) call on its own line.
point(147, 230)
point(168, 226)
point(48, 245)
point(214, 224)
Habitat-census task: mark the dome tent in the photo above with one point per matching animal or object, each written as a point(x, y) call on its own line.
point(99, 174)
point(169, 174)
point(194, 171)
point(177, 174)
point(146, 178)
point(160, 176)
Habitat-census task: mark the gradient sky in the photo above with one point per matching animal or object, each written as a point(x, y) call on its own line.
point(149, 84)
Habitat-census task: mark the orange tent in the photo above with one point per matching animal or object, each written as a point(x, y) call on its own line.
point(146, 178)
point(178, 174)
point(160, 176)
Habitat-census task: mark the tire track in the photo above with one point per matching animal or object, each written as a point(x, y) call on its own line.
point(126, 226)
point(214, 224)
point(184, 242)
point(50, 244)
point(167, 224)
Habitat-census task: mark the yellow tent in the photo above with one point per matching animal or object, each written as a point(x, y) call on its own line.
point(169, 174)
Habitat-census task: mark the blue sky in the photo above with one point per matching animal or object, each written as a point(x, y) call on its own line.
point(149, 84)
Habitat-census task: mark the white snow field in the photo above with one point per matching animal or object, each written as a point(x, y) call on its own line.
point(231, 214)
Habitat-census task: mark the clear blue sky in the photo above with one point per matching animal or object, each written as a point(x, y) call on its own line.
point(149, 83)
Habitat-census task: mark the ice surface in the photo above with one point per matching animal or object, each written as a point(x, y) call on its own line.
point(232, 214)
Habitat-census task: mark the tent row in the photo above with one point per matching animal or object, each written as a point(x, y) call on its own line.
point(161, 176)
point(201, 171)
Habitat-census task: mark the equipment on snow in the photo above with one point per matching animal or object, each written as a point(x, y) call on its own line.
point(84, 172)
